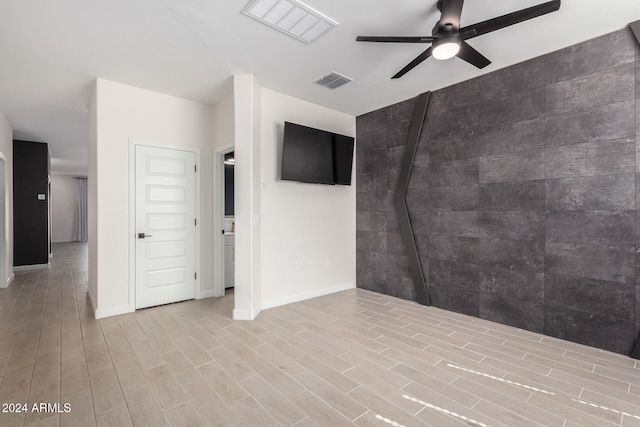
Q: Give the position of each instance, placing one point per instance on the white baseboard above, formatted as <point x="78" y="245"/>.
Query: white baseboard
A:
<point x="246" y="314"/>
<point x="306" y="295"/>
<point x="31" y="267"/>
<point x="101" y="313"/>
<point x="92" y="301"/>
<point x="206" y="294"/>
<point x="8" y="281"/>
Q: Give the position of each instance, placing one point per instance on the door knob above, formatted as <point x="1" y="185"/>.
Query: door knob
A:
<point x="142" y="235"/>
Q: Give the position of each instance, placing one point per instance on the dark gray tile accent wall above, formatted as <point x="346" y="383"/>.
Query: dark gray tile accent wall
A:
<point x="522" y="197"/>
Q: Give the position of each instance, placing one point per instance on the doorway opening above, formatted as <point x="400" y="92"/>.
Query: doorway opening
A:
<point x="4" y="255"/>
<point x="224" y="220"/>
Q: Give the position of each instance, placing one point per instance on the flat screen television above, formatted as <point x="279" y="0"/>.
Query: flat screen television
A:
<point x="316" y="156"/>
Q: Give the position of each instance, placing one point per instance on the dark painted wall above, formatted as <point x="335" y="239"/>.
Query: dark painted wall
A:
<point x="522" y="195"/>
<point x="31" y="216"/>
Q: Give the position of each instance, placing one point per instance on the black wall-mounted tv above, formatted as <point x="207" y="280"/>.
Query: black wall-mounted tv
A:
<point x="316" y="156"/>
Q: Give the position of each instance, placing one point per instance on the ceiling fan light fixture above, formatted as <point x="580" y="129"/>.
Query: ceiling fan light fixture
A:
<point x="446" y="48"/>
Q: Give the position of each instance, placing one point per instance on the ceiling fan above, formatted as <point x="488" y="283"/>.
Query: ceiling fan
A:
<point x="449" y="40"/>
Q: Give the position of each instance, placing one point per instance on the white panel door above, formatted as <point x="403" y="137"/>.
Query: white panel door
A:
<point x="165" y="226"/>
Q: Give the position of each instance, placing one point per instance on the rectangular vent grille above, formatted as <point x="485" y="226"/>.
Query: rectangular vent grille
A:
<point x="334" y="80"/>
<point x="290" y="17"/>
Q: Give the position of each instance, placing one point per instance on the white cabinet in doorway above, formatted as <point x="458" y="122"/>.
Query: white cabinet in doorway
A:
<point x="229" y="259"/>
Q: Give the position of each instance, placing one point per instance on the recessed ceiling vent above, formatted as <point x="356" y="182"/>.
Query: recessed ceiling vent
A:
<point x="334" y="80"/>
<point x="290" y="17"/>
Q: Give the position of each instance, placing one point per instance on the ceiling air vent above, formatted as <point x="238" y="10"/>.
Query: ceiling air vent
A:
<point x="334" y="80"/>
<point x="290" y="17"/>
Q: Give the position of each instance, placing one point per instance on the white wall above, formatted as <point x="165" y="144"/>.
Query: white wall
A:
<point x="6" y="247"/>
<point x="285" y="231"/>
<point x="293" y="241"/>
<point x="247" y="176"/>
<point x="63" y="207"/>
<point x="92" y="200"/>
<point x="308" y="230"/>
<point x="223" y="122"/>
<point x="124" y="113"/>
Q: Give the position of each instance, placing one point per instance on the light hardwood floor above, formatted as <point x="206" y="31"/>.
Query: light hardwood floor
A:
<point x="351" y="358"/>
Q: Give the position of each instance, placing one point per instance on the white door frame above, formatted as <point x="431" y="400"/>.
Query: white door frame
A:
<point x="4" y="258"/>
<point x="218" y="218"/>
<point x="133" y="143"/>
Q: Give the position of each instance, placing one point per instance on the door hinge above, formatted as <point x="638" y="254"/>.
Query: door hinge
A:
<point x="195" y="168"/>
<point x="195" y="221"/>
<point x="195" y="276"/>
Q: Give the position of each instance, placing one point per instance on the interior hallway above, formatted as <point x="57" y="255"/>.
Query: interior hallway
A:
<point x="354" y="357"/>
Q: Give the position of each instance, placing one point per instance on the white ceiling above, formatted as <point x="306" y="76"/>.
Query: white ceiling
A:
<point x="51" y="52"/>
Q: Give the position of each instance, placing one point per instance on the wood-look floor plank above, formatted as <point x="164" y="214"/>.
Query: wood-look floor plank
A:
<point x="278" y="406"/>
<point x="210" y="405"/>
<point x="185" y="415"/>
<point x="196" y="354"/>
<point x="118" y="418"/>
<point x="350" y="358"/>
<point x="321" y="412"/>
<point x="105" y="389"/>
<point x="166" y="388"/>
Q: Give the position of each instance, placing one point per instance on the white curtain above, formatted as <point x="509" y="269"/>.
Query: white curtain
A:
<point x="80" y="219"/>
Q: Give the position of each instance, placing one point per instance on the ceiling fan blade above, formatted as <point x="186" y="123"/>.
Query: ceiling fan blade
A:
<point x="451" y="11"/>
<point x="396" y="39"/>
<point x="411" y="65"/>
<point x="472" y="56"/>
<point x="503" y="21"/>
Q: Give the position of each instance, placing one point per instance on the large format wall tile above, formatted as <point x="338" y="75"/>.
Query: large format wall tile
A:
<point x="456" y="147"/>
<point x="611" y="121"/>
<point x="614" y="228"/>
<point x="589" y="295"/>
<point x="459" y="172"/>
<point x="372" y="241"/>
<point x="456" y="198"/>
<point x="637" y="310"/>
<point x="595" y="329"/>
<point x="417" y="198"/>
<point x="450" y="248"/>
<point x="453" y="274"/>
<point x="523" y="77"/>
<point x="591" y="90"/>
<point x="514" y="284"/>
<point x="522" y="196"/>
<point x="523" y="255"/>
<point x="453" y="298"/>
<point x="521" y="314"/>
<point x="371" y="221"/>
<point x="611" y="263"/>
<point x="400" y="287"/>
<point x="512" y="196"/>
<point x="593" y="158"/>
<point x="526" y="135"/>
<point x="613" y="49"/>
<point x="591" y="193"/>
<point x="520" y="166"/>
<point x="454" y="223"/>
<point x="511" y="109"/>
<point x="518" y="225"/>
